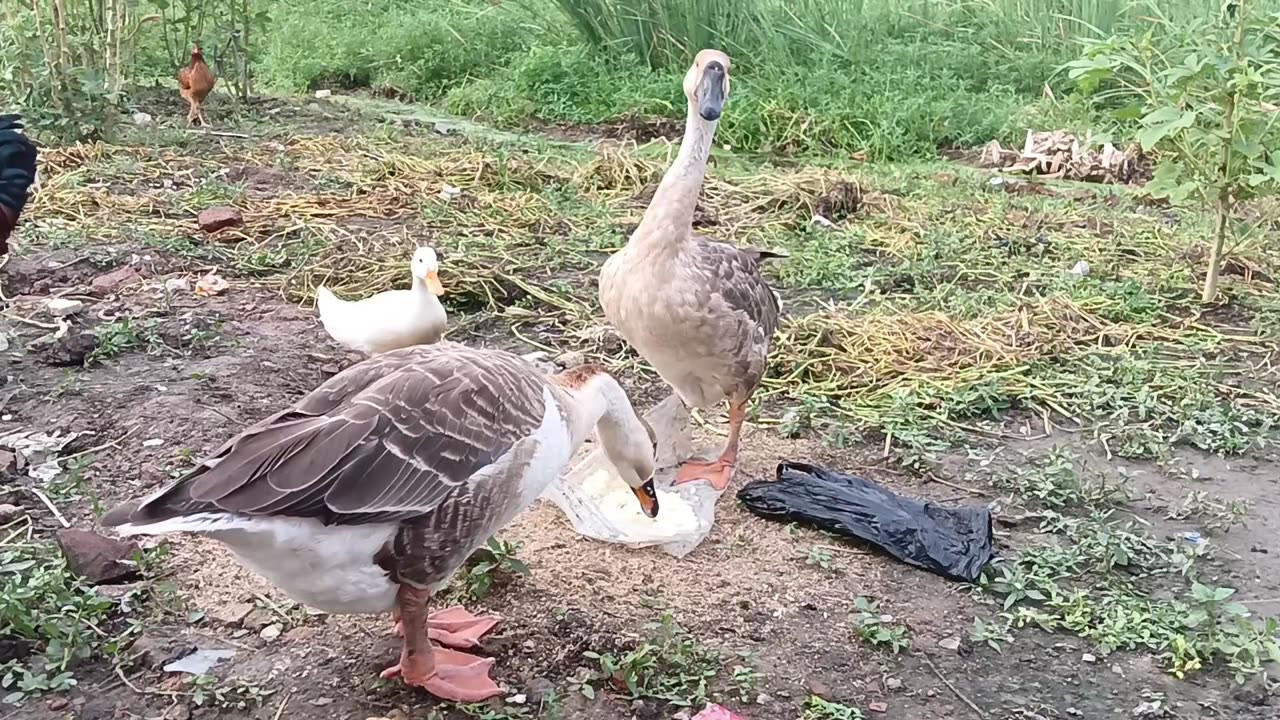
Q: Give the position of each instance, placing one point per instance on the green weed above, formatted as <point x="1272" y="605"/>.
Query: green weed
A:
<point x="815" y="708"/>
<point x="54" y="618"/>
<point x="497" y="559"/>
<point x="877" y="629"/>
<point x="671" y="666"/>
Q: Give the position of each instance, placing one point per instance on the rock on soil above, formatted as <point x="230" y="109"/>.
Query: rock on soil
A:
<point x="96" y="558"/>
<point x="67" y="351"/>
<point x="113" y="281"/>
<point x="217" y="218"/>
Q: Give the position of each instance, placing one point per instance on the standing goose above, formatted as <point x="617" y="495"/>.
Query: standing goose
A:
<point x="369" y="493"/>
<point x="696" y="309"/>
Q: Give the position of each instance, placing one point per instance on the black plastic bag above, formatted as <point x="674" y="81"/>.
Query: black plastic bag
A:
<point x="950" y="541"/>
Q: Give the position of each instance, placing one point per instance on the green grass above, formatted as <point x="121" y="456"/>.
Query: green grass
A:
<point x="1091" y="570"/>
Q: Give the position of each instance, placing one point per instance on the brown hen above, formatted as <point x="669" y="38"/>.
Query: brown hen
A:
<point x="196" y="81"/>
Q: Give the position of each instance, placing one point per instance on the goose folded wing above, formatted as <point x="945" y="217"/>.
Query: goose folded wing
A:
<point x="734" y="273"/>
<point x="387" y="443"/>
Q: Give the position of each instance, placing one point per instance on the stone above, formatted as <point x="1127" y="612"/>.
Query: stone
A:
<point x="62" y="307"/>
<point x="154" y="649"/>
<point x="817" y="687"/>
<point x="302" y="633"/>
<point x="322" y="94"/>
<point x="893" y="683"/>
<point x="142" y="119"/>
<point x="271" y="632"/>
<point x="56" y="704"/>
<point x="258" y="619"/>
<point x="97" y="558"/>
<point x="231" y="613"/>
<point x="9" y="513"/>
<point x="114" y="281"/>
<point x="70" y="350"/>
<point x="949" y="643"/>
<point x="539" y="690"/>
<point x="878" y="707"/>
<point x="219" y="218"/>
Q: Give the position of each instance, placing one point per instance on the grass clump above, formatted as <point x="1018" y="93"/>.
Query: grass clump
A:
<point x="51" y="620"/>
<point x="1093" y="573"/>
<point x="671" y="666"/>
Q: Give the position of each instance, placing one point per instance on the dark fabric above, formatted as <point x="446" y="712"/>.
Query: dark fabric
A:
<point x="954" y="542"/>
<point x="17" y="173"/>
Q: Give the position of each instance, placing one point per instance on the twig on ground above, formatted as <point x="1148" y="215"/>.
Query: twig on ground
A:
<point x="972" y="491"/>
<point x="49" y="504"/>
<point x="99" y="448"/>
<point x="963" y="698"/>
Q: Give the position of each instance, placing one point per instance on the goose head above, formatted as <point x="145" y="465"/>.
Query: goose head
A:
<point x="426" y="269"/>
<point x="628" y="441"/>
<point x="707" y="84"/>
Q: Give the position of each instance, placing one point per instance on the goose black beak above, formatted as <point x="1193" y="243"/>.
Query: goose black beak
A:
<point x="711" y="92"/>
<point x="648" y="498"/>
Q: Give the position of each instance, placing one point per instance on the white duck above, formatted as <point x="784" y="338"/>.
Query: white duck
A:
<point x="392" y="319"/>
<point x="367" y="494"/>
<point x="698" y="310"/>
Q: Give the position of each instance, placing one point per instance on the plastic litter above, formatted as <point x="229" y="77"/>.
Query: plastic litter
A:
<point x="717" y="712"/>
<point x="954" y="542"/>
<point x="199" y="662"/>
<point x="600" y="506"/>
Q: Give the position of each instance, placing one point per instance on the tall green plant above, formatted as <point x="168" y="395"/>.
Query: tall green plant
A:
<point x="664" y="33"/>
<point x="1206" y="94"/>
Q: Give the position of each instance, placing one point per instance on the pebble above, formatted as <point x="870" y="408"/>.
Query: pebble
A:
<point x="10" y="512"/>
<point x="518" y="699"/>
<point x="153" y="442"/>
<point x="893" y="684"/>
<point x="322" y="94"/>
<point x="950" y="643"/>
<point x="1117" y="670"/>
<point x="763" y="699"/>
<point x="62" y="307"/>
<point x="878" y="707"/>
<point x="819" y="688"/>
<point x="271" y="632"/>
<point x="142" y="119"/>
<point x="57" y="704"/>
<point x="1089" y="657"/>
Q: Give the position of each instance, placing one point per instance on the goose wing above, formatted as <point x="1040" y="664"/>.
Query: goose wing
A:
<point x="387" y="440"/>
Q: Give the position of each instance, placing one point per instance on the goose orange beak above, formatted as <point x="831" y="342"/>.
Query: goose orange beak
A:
<point x="648" y="498"/>
<point x="433" y="283"/>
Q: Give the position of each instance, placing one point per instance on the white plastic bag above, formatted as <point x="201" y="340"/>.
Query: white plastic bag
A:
<point x="600" y="506"/>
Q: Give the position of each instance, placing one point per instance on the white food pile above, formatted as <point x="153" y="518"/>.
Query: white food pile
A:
<point x="620" y="507"/>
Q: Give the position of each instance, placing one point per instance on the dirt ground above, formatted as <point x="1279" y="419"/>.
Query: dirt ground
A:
<point x="223" y="362"/>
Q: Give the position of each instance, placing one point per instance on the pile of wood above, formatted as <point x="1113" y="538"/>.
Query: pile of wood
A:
<point x="1060" y="155"/>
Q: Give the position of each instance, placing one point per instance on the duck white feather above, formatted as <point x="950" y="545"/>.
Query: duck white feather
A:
<point x="392" y="319"/>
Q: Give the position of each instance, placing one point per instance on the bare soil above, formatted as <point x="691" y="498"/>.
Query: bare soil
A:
<point x="746" y="589"/>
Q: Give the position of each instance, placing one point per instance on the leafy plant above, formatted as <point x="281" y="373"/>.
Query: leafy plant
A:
<point x="55" y="617"/>
<point x="815" y="708"/>
<point x="1205" y="92"/>
<point x="497" y="557"/>
<point x="671" y="666"/>
<point x="819" y="556"/>
<point x="878" y="629"/>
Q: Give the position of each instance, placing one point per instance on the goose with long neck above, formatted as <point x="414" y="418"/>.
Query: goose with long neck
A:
<point x="370" y="492"/>
<point x="696" y="309"/>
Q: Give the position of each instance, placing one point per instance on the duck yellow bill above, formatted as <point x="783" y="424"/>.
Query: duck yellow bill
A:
<point x="433" y="283"/>
<point x="648" y="498"/>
